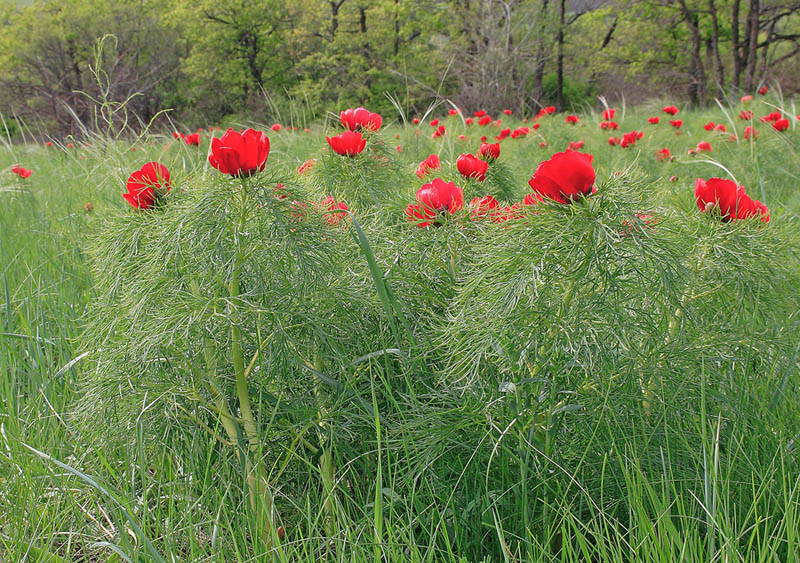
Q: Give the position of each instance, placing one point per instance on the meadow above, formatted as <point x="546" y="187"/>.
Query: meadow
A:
<point x="313" y="360"/>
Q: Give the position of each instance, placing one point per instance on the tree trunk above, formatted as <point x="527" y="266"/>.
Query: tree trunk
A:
<point x="697" y="88"/>
<point x="735" y="46"/>
<point x="719" y="70"/>
<point x="560" y="57"/>
<point x="752" y="25"/>
<point x="541" y="59"/>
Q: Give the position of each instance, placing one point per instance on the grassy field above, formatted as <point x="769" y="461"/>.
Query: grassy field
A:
<point x="611" y="380"/>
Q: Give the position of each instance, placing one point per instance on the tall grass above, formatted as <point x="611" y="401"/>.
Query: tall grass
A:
<point x="573" y="385"/>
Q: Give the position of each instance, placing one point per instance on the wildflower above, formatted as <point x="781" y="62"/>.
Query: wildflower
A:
<point x="572" y="119"/>
<point x="239" y="154"/>
<point x="565" y="177"/>
<point x="709" y="126"/>
<point x="276" y="127"/>
<point x="303" y="168"/>
<point x="439" y="132"/>
<point x="746" y="99"/>
<point x="507" y="111"/>
<point x="746" y="115"/>
<point x="608" y="114"/>
<point x="503" y="134"/>
<point x="663" y="155"/>
<point x="676" y="123"/>
<point x="472" y="167"/>
<point x="703" y="146"/>
<point x="490" y="152"/>
<point x="193" y="139"/>
<point x="430" y="163"/>
<point x="469" y="121"/>
<point x="147" y="185"/>
<point x="653" y="120"/>
<point x="575" y="145"/>
<point x="781" y="124"/>
<point x="21" y="172"/>
<point x="331" y="205"/>
<point x="479" y="113"/>
<point x="349" y="143"/>
<point x="731" y="200"/>
<point x="481" y="207"/>
<point x="361" y="118"/>
<point x="613" y="141"/>
<point x="485" y="120"/>
<point x="750" y="132"/>
<point x="434" y="123"/>
<point x="671" y="110"/>
<point x="763" y="90"/>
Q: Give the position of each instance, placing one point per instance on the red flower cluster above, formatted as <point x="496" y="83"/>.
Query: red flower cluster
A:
<point x="485" y="120"/>
<point x="437" y="197"/>
<point x="575" y="145"/>
<point x="703" y="146"/>
<point x="663" y="155"/>
<point x="781" y="124"/>
<point x="472" y="167"/>
<point x="239" y="154"/>
<point x="653" y="120"/>
<point x="750" y="132"/>
<point x="671" y="110"/>
<point x="629" y="139"/>
<point x="572" y="119"/>
<point x="193" y="139"/>
<point x="746" y="115"/>
<point x="763" y="90"/>
<point x="503" y="134"/>
<point x="490" y="152"/>
<point x="430" y="163"/>
<point x="147" y="185"/>
<point x="20" y="171"/>
<point x="676" y="123"/>
<point x="349" y="143"/>
<point x="609" y="125"/>
<point x="771" y="117"/>
<point x="731" y="200"/>
<point x="609" y="113"/>
<point x="549" y="110"/>
<point x="565" y="177"/>
<point x="439" y="132"/>
<point x="303" y="168"/>
<point x="360" y="118"/>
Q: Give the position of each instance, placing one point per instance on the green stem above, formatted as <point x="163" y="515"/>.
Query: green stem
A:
<point x="256" y="478"/>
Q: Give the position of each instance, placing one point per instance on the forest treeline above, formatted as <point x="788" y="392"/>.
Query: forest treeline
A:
<point x="208" y="61"/>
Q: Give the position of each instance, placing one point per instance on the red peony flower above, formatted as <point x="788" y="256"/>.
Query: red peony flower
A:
<point x="663" y="155"/>
<point x="653" y="120"/>
<point x="609" y="113"/>
<point x="434" y="123"/>
<point x="572" y="119"/>
<point x="462" y="138"/>
<point x="490" y="152"/>
<point x="49" y="143"/>
<point x="721" y="128"/>
<point x="575" y="145"/>
<point x="439" y="132"/>
<point x="430" y="163"/>
<point x="746" y="115"/>
<point x="21" y="172"/>
<point x="330" y="204"/>
<point x="613" y="141"/>
<point x="763" y="90"/>
<point x="503" y="134"/>
<point x="147" y="185"/>
<point x="420" y="215"/>
<point x="750" y="132"/>
<point x="781" y="124"/>
<point x="485" y="120"/>
<point x="731" y="200"/>
<point x="472" y="167"/>
<point x="193" y="139"/>
<point x="703" y="146"/>
<point x="453" y="111"/>
<point x="303" y="168"/>
<point x="349" y="143"/>
<point x="709" y="126"/>
<point x="532" y="199"/>
<point x="746" y="99"/>
<point x="521" y="131"/>
<point x="469" y="121"/>
<point x="676" y="123"/>
<point x="239" y="154"/>
<point x="361" y="118"/>
<point x="441" y="196"/>
<point x="542" y="144"/>
<point x="671" y="110"/>
<point x="415" y="121"/>
<point x="276" y="127"/>
<point x="480" y="207"/>
<point x="479" y="113"/>
<point x="507" y="111"/>
<point x="565" y="177"/>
